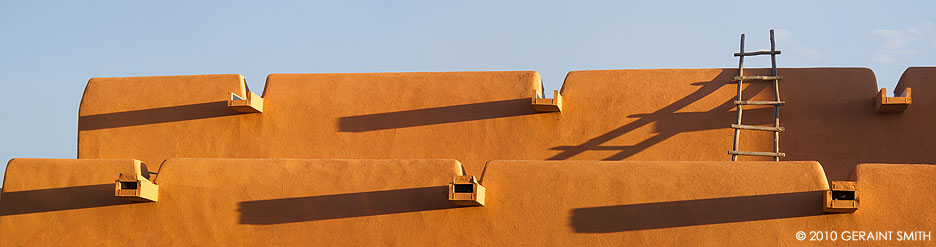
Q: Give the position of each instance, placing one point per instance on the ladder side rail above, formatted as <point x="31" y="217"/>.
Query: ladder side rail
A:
<point x="773" y="65"/>
<point x="737" y="132"/>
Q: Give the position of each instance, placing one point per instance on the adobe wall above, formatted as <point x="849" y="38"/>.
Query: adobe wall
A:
<point x="200" y="199"/>
<point x="475" y="117"/>
<point x="345" y="202"/>
<point x="158" y="117"/>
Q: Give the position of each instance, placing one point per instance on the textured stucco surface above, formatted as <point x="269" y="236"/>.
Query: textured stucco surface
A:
<point x="475" y="117"/>
<point x="403" y="202"/>
<point x="636" y="157"/>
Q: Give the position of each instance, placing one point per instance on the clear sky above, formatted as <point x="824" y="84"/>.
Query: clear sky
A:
<point x="49" y="49"/>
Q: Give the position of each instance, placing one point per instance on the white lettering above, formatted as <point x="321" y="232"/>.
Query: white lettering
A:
<point x="901" y="235"/>
<point x="865" y="236"/>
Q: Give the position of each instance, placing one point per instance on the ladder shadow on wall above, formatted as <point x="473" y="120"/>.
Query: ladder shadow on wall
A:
<point x="668" y="122"/>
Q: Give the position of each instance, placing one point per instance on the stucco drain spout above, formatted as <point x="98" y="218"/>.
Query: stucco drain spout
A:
<point x="136" y="186"/>
<point x="466" y="191"/>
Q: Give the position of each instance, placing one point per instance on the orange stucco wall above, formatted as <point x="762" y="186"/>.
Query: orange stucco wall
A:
<point x="475" y="117"/>
<point x="403" y="202"/>
<point x="636" y="157"/>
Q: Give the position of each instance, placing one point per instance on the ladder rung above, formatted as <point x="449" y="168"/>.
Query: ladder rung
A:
<point x="752" y="127"/>
<point x="757" y="77"/>
<point x="755" y="53"/>
<point x="738" y="102"/>
<point x="771" y="154"/>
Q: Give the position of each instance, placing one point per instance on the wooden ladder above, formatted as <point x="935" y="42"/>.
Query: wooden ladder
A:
<point x="776" y="129"/>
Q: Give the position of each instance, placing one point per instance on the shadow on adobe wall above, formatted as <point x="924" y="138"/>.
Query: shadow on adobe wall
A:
<point x="670" y="123"/>
<point x="326" y="207"/>
<point x="696" y="212"/>
<point x="47" y="200"/>
<point x="155" y="115"/>
<point x="436" y="115"/>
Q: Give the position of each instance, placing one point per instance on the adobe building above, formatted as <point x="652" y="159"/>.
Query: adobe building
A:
<point x="616" y="157"/>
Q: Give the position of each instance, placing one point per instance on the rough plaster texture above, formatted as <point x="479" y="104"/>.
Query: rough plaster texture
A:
<point x="475" y="117"/>
<point x="670" y="128"/>
<point x="185" y="116"/>
<point x="228" y="202"/>
<point x="225" y="202"/>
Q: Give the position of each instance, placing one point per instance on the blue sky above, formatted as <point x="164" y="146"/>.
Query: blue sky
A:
<point x="48" y="50"/>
